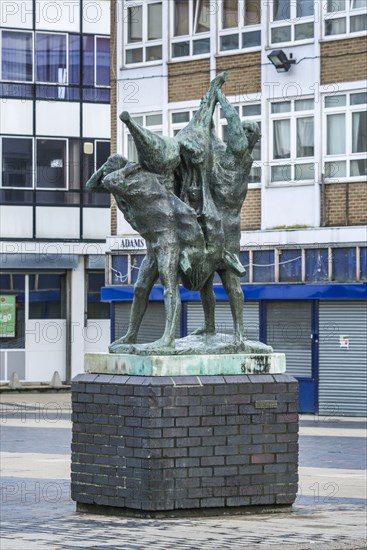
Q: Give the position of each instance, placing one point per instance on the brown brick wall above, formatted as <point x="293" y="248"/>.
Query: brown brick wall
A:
<point x="343" y="60"/>
<point x="251" y="210"/>
<point x="244" y="74"/>
<point x="188" y="80"/>
<point x="113" y="77"/>
<point x="346" y="204"/>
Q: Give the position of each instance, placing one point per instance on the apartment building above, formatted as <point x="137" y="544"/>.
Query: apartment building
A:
<point x="54" y="131"/>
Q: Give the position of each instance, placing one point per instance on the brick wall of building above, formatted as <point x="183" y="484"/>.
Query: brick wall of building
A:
<point x="170" y="443"/>
<point x="188" y="80"/>
<point x="244" y="74"/>
<point x="251" y="210"/>
<point x="343" y="60"/>
<point x="345" y="204"/>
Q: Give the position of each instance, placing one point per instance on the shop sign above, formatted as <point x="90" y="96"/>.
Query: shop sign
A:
<point x="7" y="316"/>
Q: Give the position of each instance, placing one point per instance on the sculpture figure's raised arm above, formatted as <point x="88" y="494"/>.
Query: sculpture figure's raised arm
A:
<point x="237" y="140"/>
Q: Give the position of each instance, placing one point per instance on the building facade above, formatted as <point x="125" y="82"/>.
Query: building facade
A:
<point x="54" y="131"/>
<point x="304" y="221"/>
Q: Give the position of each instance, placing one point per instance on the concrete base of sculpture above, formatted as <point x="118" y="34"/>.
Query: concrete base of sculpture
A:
<point x="153" y="445"/>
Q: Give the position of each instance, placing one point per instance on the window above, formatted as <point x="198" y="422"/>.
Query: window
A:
<point x="16" y="55"/>
<point x="292" y="140"/>
<point x="143" y="32"/>
<point x="51" y="162"/>
<point x="47" y="296"/>
<point x="292" y="20"/>
<point x="316" y="265"/>
<point x="180" y="119"/>
<point x="51" y="58"/>
<point x="290" y="266"/>
<point x="95" y="308"/>
<point x="247" y="112"/>
<point x="240" y="25"/>
<point x="345" y="16"/>
<point x="96" y="60"/>
<point x="152" y="121"/>
<point x="135" y="263"/>
<point x="346" y="136"/>
<point x="191" y="28"/>
<point x="344" y="264"/>
<point x="263" y="266"/>
<point x="17" y="162"/>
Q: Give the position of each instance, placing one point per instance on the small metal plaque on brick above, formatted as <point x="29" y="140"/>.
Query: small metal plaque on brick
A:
<point x="266" y="404"/>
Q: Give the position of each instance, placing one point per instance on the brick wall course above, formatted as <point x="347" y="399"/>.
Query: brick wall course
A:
<point x="251" y="211"/>
<point x="342" y="60"/>
<point x="345" y="204"/>
<point x="188" y="80"/>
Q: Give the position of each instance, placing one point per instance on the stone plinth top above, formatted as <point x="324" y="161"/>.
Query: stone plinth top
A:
<point x="184" y="365"/>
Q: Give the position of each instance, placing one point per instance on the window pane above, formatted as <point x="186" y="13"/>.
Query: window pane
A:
<point x="335" y="134"/>
<point x="335" y="26"/>
<point x="181" y="49"/>
<point x="17" y="56"/>
<point x="88" y="60"/>
<point x="283" y="107"/>
<point x="51" y="57"/>
<point x="255" y="173"/>
<point x="290" y="266"/>
<point x="136" y="261"/>
<point x="358" y="99"/>
<point x="281" y="138"/>
<point x="280" y="34"/>
<point x="251" y="110"/>
<point x="256" y="152"/>
<point x="305" y="8"/>
<point x="47" y="296"/>
<point x="153" y="120"/>
<point x="95" y="308"/>
<point x="363" y="264"/>
<point x="17" y="162"/>
<point x="51" y="163"/>
<point x="336" y="169"/>
<point x="74" y="59"/>
<point x="103" y="151"/>
<point x="344" y="264"/>
<point x="335" y="5"/>
<point x="229" y="42"/>
<point x="305" y="137"/>
<point x="281" y="10"/>
<point x="178" y="118"/>
<point x="134" y="56"/>
<point x="251" y="39"/>
<point x="230" y="14"/>
<point x="357" y="4"/>
<point x="132" y="153"/>
<point x="304" y="104"/>
<point x="201" y="46"/>
<point x="335" y="101"/>
<point x="263" y="266"/>
<point x="74" y="164"/>
<point x="154" y="53"/>
<point x="358" y="23"/>
<point x="359" y="132"/>
<point x="358" y="167"/>
<point x="154" y="21"/>
<point x="304" y="31"/>
<point x="135" y="24"/>
<point x="202" y="16"/>
<point x="304" y="172"/>
<point x="119" y="270"/>
<point x="181" y="17"/>
<point x="103" y="62"/>
<point x="317" y="266"/>
<point x="252" y="12"/>
<point x="281" y="173"/>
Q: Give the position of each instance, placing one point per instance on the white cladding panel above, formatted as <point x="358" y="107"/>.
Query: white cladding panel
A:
<point x="343" y="371"/>
<point x="16" y="222"/>
<point x="96" y="223"/>
<point x="16" y="13"/>
<point x="289" y="206"/>
<point x="58" y="15"/>
<point x="96" y="121"/>
<point x="57" y="119"/>
<point x="137" y="96"/>
<point x="97" y="335"/>
<point x="96" y="16"/>
<point x="56" y="222"/>
<point x="45" y="349"/>
<point x="123" y="227"/>
<point x="16" y="117"/>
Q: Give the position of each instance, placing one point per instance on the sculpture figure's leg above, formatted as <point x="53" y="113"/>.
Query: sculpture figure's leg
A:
<point x="148" y="274"/>
<point x="232" y="286"/>
<point x="208" y="301"/>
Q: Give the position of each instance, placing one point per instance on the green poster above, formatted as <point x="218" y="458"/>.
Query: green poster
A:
<point x="7" y="316"/>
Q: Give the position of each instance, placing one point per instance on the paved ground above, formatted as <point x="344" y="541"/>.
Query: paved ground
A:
<point x="37" y="512"/>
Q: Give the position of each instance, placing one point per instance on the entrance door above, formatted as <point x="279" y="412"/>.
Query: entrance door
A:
<point x="289" y="331"/>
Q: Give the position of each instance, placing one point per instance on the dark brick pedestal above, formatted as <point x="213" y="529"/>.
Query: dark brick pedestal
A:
<point x="155" y="444"/>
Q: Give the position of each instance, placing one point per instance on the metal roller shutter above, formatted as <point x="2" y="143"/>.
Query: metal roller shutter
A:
<point x="152" y="327"/>
<point x="343" y="371"/>
<point x="289" y="331"/>
<point x="223" y="318"/>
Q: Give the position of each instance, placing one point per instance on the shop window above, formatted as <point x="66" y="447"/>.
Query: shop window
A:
<point x="345" y="17"/>
<point x="240" y="25"/>
<point x="95" y="308"/>
<point x="344" y="264"/>
<point x="135" y="263"/>
<point x="143" y="32"/>
<point x="51" y="58"/>
<point x="292" y="20"/>
<point x="17" y="56"/>
<point x="245" y="261"/>
<point x="263" y="266"/>
<point x="290" y="266"/>
<point x="191" y="28"/>
<point x="317" y="265"/>
<point x="119" y="270"/>
<point x="346" y="136"/>
<point x="17" y="162"/>
<point x="363" y="264"/>
<point x="51" y="164"/>
<point x="47" y="296"/>
<point x="292" y="141"/>
<point x="12" y="288"/>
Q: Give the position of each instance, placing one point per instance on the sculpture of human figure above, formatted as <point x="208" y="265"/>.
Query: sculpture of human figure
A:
<point x="228" y="184"/>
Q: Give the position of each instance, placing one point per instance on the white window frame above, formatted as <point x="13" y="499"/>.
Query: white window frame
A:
<point x="239" y="29"/>
<point x="348" y="156"/>
<point x="23" y="31"/>
<point x="349" y="12"/>
<point x="144" y="43"/>
<point x="293" y="160"/>
<point x="156" y="128"/>
<point x="292" y="22"/>
<point x="177" y="126"/>
<point x="191" y="37"/>
<point x="5" y="187"/>
<point x="66" y="167"/>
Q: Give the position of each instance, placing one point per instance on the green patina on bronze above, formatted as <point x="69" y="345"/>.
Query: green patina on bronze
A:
<point x="185" y="197"/>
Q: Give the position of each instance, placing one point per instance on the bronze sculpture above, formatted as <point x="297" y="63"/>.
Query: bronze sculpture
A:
<point x="185" y="197"/>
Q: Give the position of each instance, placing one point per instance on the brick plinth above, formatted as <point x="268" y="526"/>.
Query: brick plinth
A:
<point x="153" y="444"/>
